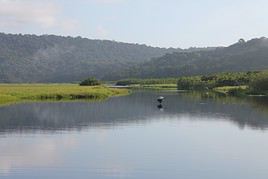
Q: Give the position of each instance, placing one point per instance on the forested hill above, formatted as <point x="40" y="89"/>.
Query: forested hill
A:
<point x="242" y="56"/>
<point x="50" y="58"/>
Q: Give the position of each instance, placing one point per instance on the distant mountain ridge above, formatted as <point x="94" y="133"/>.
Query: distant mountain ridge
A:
<point x="242" y="56"/>
<point x="50" y="58"/>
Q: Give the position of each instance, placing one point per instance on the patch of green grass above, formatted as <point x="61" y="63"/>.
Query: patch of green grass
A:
<point x="6" y="99"/>
<point x="10" y="93"/>
<point x="230" y="89"/>
<point x="239" y="91"/>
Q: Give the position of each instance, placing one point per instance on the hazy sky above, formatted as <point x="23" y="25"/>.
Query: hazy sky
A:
<point x="165" y="23"/>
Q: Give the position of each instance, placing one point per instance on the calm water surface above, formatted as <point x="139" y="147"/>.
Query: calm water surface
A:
<point x="192" y="136"/>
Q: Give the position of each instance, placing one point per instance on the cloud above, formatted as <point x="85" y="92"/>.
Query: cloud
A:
<point x="107" y="1"/>
<point x="25" y="13"/>
<point x="39" y="152"/>
<point x="17" y="12"/>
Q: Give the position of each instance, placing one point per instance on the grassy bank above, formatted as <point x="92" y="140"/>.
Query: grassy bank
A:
<point x="233" y="90"/>
<point x="10" y="93"/>
<point x="240" y="91"/>
<point x="152" y="84"/>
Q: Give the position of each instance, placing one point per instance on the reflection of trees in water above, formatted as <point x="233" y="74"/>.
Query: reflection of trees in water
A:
<point x="248" y="111"/>
<point x="261" y="103"/>
<point x="136" y="108"/>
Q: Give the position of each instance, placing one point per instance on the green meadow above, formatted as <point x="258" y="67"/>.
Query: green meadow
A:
<point x="12" y="93"/>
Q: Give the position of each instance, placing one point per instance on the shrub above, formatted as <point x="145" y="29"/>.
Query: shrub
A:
<point x="209" y="78"/>
<point x="126" y="82"/>
<point x="227" y="82"/>
<point x="90" y="82"/>
<point x="260" y="84"/>
<point x="218" y="80"/>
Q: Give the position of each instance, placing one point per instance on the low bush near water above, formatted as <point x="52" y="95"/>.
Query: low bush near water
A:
<point x="216" y="80"/>
<point x="260" y="84"/>
<point x="90" y="82"/>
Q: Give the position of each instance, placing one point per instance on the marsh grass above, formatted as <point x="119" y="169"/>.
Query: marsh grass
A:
<point x="239" y="91"/>
<point x="10" y="93"/>
<point x="230" y="89"/>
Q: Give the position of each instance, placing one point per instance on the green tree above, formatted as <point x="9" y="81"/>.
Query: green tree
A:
<point x="90" y="82"/>
<point x="260" y="84"/>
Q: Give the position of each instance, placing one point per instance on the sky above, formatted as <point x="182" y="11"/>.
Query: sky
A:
<point x="161" y="23"/>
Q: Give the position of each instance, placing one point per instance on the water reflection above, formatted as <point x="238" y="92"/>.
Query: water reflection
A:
<point x="34" y="152"/>
<point x="134" y="137"/>
<point x="160" y="107"/>
<point x="136" y="108"/>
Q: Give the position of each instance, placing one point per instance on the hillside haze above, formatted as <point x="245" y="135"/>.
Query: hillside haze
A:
<point x="241" y="56"/>
<point x="50" y="58"/>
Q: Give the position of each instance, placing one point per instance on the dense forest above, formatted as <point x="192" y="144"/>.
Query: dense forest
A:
<point x="242" y="56"/>
<point x="50" y="58"/>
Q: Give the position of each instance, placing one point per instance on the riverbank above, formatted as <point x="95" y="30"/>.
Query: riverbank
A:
<point x="231" y="83"/>
<point x="232" y="90"/>
<point x="154" y="87"/>
<point x="150" y="84"/>
<point x="239" y="91"/>
<point x="13" y="93"/>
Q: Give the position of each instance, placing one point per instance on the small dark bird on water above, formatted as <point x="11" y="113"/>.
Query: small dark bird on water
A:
<point x="160" y="99"/>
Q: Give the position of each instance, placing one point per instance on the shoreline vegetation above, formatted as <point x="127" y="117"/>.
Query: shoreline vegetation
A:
<point x="150" y="84"/>
<point x="233" y="84"/>
<point x="229" y="84"/>
<point x="15" y="93"/>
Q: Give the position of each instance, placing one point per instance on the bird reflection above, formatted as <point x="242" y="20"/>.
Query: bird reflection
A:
<point x="160" y="107"/>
